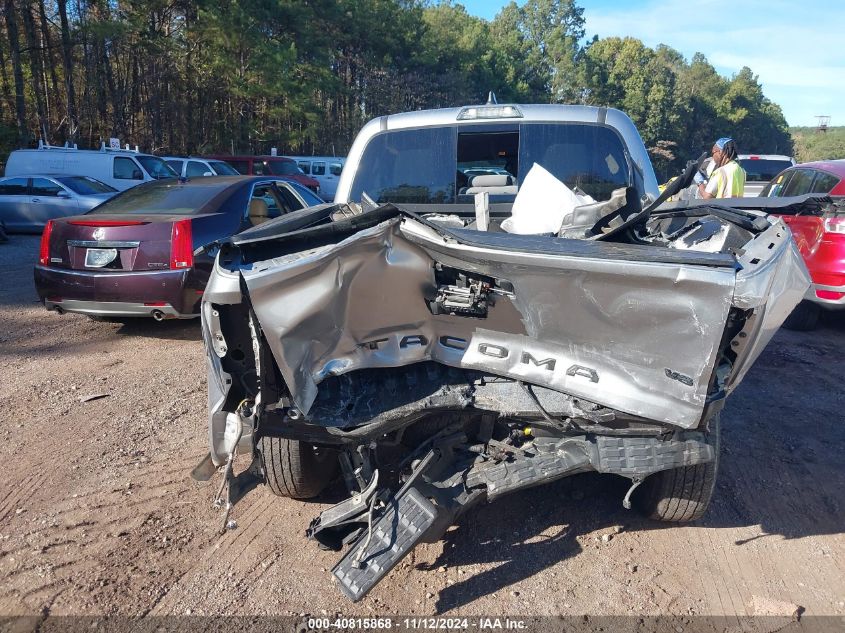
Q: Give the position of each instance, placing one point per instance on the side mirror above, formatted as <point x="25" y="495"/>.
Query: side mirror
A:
<point x="137" y="174"/>
<point x="63" y="194"/>
<point x="208" y="173"/>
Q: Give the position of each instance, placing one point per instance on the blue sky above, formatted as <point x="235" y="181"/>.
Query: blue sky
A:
<point x="795" y="48"/>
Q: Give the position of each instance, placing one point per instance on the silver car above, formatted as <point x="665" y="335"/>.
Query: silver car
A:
<point x="27" y="202"/>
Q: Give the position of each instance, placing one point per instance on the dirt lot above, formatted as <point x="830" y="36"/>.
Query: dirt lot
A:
<point x="98" y="514"/>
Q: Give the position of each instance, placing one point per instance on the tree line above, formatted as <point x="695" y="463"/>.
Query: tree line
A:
<point x="203" y="76"/>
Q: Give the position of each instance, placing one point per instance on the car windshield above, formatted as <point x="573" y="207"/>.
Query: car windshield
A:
<point x="173" y="198"/>
<point x="451" y="164"/>
<point x="761" y="169"/>
<point x="85" y="185"/>
<point x="283" y="168"/>
<point x="223" y="169"/>
<point x="156" y="167"/>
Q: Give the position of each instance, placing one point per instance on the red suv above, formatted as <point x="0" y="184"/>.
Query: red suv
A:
<point x="821" y="239"/>
<point x="270" y="166"/>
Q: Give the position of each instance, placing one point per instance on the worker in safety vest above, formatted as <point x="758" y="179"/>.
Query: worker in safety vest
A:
<point x="728" y="177"/>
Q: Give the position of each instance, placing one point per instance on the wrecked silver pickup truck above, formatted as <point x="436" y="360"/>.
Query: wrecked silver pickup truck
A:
<point x="495" y="300"/>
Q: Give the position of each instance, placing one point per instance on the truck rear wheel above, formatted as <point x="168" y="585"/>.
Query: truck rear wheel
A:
<point x="295" y="469"/>
<point x="803" y="318"/>
<point x="681" y="494"/>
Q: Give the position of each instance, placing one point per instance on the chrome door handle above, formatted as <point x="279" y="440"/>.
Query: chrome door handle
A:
<point x="36" y="200"/>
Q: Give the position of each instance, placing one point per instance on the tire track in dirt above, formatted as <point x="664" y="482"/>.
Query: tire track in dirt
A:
<point x="18" y="492"/>
<point x="224" y="554"/>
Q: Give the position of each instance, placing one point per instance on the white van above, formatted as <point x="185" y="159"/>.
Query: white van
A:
<point x="324" y="169"/>
<point x="121" y="169"/>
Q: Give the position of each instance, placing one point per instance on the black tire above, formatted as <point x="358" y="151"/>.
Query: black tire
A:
<point x="295" y="469"/>
<point x="681" y="494"/>
<point x="804" y="317"/>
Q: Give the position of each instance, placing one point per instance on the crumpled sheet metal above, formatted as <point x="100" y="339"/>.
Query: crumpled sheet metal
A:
<point x="773" y="288"/>
<point x="640" y="337"/>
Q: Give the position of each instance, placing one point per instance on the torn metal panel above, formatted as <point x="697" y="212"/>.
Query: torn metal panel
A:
<point x="641" y="337"/>
<point x="772" y="286"/>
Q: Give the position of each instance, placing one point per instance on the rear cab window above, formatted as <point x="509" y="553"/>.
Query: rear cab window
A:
<point x="437" y="165"/>
<point x="762" y="169"/>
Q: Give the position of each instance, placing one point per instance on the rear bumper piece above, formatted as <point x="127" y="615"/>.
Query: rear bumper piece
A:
<point x="119" y="293"/>
<point x="114" y="308"/>
<point x="830" y="304"/>
<point x="441" y="488"/>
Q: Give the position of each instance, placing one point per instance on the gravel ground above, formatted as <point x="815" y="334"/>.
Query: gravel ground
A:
<point x="98" y="514"/>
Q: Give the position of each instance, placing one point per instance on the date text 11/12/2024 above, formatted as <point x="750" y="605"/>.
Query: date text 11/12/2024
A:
<point x="412" y="624"/>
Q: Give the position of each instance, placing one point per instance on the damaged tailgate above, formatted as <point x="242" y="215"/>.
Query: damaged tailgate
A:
<point x="637" y="328"/>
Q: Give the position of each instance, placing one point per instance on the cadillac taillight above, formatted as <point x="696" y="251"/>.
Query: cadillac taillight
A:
<point x="181" y="245"/>
<point x="44" y="253"/>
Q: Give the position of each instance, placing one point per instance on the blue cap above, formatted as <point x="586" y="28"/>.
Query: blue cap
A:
<point x="723" y="141"/>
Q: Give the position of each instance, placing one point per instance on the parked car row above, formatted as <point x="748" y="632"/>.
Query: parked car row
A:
<point x="53" y="182"/>
<point x="270" y="166"/>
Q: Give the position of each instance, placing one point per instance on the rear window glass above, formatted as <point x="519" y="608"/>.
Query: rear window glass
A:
<point x="162" y="198"/>
<point x="85" y="185"/>
<point x="762" y="170"/>
<point x="587" y="157"/>
<point x="409" y="166"/>
<point x="440" y="165"/>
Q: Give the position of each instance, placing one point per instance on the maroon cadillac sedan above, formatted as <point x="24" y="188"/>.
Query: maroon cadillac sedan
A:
<point x="141" y="253"/>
